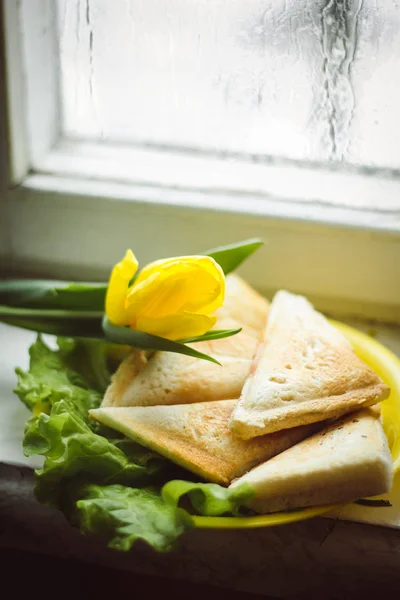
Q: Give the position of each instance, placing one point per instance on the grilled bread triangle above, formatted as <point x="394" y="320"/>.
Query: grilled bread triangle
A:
<point x="305" y="371"/>
<point x="167" y="378"/>
<point x="197" y="437"/>
<point x="346" y="461"/>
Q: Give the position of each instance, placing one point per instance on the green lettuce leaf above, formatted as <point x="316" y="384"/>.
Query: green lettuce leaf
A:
<point x="94" y="360"/>
<point x="50" y="379"/>
<point x="103" y="482"/>
<point x="72" y="449"/>
<point x="208" y="499"/>
<point x="123" y="515"/>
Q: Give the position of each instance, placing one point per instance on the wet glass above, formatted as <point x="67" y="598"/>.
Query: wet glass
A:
<point x="298" y="79"/>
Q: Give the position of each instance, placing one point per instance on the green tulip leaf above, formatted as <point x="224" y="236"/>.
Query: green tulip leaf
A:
<point x="231" y="257"/>
<point x="70" y="323"/>
<point x="47" y="294"/>
<point x="213" y="334"/>
<point x="146" y="341"/>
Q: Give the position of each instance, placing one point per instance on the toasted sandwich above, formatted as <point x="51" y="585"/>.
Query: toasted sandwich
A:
<point x="197" y="437"/>
<point x="166" y="378"/>
<point x="304" y="371"/>
<point x="345" y="461"/>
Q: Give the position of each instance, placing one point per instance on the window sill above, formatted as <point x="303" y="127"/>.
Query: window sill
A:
<point x="345" y="261"/>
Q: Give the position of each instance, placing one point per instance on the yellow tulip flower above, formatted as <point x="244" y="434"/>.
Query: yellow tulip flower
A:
<point x="173" y="298"/>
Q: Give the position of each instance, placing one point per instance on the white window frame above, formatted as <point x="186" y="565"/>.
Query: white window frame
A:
<point x="71" y="208"/>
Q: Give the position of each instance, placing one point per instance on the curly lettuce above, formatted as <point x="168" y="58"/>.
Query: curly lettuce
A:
<point x="124" y="515"/>
<point x="103" y="482"/>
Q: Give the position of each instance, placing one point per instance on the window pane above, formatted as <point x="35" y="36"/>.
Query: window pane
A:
<point x="302" y="79"/>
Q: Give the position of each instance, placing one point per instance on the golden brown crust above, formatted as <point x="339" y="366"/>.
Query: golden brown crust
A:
<point x="313" y="411"/>
<point x="176" y="379"/>
<point x="128" y="369"/>
<point x="306" y="371"/>
<point x="197" y="437"/>
<point x="343" y="462"/>
<point x="244" y="305"/>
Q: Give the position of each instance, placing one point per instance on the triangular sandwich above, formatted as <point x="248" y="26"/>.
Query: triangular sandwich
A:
<point x="197" y="437"/>
<point x="305" y="371"/>
<point x="346" y="461"/>
<point x="168" y="378"/>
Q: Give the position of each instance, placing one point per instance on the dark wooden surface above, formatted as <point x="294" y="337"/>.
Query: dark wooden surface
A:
<point x="311" y="560"/>
<point x="49" y="577"/>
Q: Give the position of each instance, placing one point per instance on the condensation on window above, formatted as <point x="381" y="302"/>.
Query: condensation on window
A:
<point x="300" y="79"/>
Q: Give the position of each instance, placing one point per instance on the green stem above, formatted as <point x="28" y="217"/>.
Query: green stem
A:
<point x="146" y="341"/>
<point x="45" y="313"/>
<point x="71" y="328"/>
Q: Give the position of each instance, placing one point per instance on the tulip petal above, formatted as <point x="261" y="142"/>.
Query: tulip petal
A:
<point x="177" y="327"/>
<point x="118" y="287"/>
<point x="186" y="284"/>
<point x="159" y="295"/>
<point x="207" y="290"/>
<point x="158" y="265"/>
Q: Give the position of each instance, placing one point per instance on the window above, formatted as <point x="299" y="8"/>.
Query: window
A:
<point x="300" y="80"/>
<point x="174" y="125"/>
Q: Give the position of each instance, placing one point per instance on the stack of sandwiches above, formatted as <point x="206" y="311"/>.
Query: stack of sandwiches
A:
<point x="292" y="410"/>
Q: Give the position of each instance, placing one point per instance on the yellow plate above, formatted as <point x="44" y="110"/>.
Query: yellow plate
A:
<point x="387" y="365"/>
